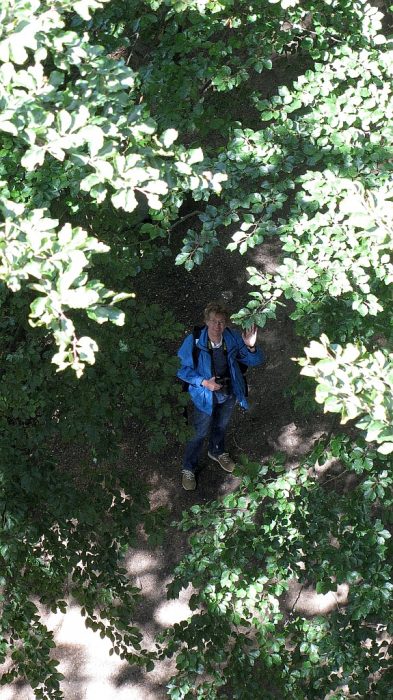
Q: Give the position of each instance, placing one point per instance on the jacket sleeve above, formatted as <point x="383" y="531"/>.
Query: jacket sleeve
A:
<point x="187" y="371"/>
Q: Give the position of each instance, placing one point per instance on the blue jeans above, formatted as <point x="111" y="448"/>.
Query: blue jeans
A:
<point x="213" y="426"/>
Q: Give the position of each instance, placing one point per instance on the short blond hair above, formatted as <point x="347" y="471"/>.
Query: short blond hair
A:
<point x="216" y="307"/>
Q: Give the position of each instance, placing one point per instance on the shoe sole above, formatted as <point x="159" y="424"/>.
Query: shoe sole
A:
<point x="228" y="471"/>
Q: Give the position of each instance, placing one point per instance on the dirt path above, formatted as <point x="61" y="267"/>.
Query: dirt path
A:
<point x="91" y="674"/>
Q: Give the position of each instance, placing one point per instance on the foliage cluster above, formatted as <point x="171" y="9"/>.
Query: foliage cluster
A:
<point x="120" y="112"/>
<point x="246" y="552"/>
<point x="80" y="137"/>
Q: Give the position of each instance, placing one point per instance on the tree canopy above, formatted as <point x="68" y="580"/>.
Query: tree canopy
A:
<point x="276" y="117"/>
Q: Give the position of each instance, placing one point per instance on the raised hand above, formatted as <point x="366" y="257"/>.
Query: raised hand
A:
<point x="250" y="336"/>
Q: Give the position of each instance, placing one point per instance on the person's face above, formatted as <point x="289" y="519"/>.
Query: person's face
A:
<point x="215" y="325"/>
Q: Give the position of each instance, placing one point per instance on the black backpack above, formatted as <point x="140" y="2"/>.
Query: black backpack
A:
<point x="196" y="332"/>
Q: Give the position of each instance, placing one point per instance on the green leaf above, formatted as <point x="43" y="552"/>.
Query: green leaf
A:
<point x="316" y="350"/>
<point x="168" y="137"/>
<point x="194" y="155"/>
<point x="94" y="137"/>
<point x="34" y="156"/>
<point x="386" y="448"/>
<point x="125" y="199"/>
<point x="102" y="314"/>
<point x="8" y="127"/>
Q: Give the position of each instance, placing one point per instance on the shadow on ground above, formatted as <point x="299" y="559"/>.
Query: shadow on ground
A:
<point x="271" y="424"/>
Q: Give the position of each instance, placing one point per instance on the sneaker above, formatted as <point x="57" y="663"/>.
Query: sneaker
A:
<point x="188" y="480"/>
<point x="224" y="461"/>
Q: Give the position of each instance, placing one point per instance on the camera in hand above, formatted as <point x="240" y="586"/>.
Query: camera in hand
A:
<point x="225" y="383"/>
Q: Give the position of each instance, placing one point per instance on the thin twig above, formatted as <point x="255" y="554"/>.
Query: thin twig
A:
<point x="298" y="596"/>
<point x="184" y="218"/>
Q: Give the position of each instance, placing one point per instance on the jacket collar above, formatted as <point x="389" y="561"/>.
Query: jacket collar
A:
<point x="203" y="340"/>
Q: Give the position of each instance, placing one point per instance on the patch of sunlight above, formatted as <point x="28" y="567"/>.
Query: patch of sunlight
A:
<point x="172" y="611"/>
<point x="293" y="439"/>
<point x="306" y="601"/>
<point x="160" y="495"/>
<point x="141" y="562"/>
<point x="85" y="661"/>
<point x="90" y="673"/>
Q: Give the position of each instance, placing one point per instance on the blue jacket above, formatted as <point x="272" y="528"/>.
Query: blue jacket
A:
<point x="236" y="350"/>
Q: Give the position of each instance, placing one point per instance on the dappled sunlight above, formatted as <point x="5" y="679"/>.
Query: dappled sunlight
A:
<point x="141" y="562"/>
<point x="148" y="584"/>
<point x="145" y="569"/>
<point x="304" y="600"/>
<point x="90" y="672"/>
<point x="171" y="612"/>
<point x="294" y="440"/>
<point x="183" y="152"/>
<point x="161" y="496"/>
<point x="331" y="474"/>
<point x="70" y="626"/>
<point x="84" y="660"/>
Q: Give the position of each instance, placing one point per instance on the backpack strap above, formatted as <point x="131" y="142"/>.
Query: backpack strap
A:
<point x="196" y="332"/>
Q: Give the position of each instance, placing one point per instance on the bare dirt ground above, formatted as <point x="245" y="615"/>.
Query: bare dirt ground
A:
<point x="270" y="424"/>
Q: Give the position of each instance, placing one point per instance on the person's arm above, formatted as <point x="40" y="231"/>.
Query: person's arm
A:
<point x="187" y="372"/>
<point x="248" y="352"/>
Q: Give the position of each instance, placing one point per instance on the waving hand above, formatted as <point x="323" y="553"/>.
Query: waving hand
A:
<point x="250" y="336"/>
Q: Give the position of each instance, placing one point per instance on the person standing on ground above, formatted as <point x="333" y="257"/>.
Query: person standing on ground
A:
<point x="215" y="383"/>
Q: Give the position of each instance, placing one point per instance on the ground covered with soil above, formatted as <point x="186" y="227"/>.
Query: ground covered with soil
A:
<point x="271" y="424"/>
